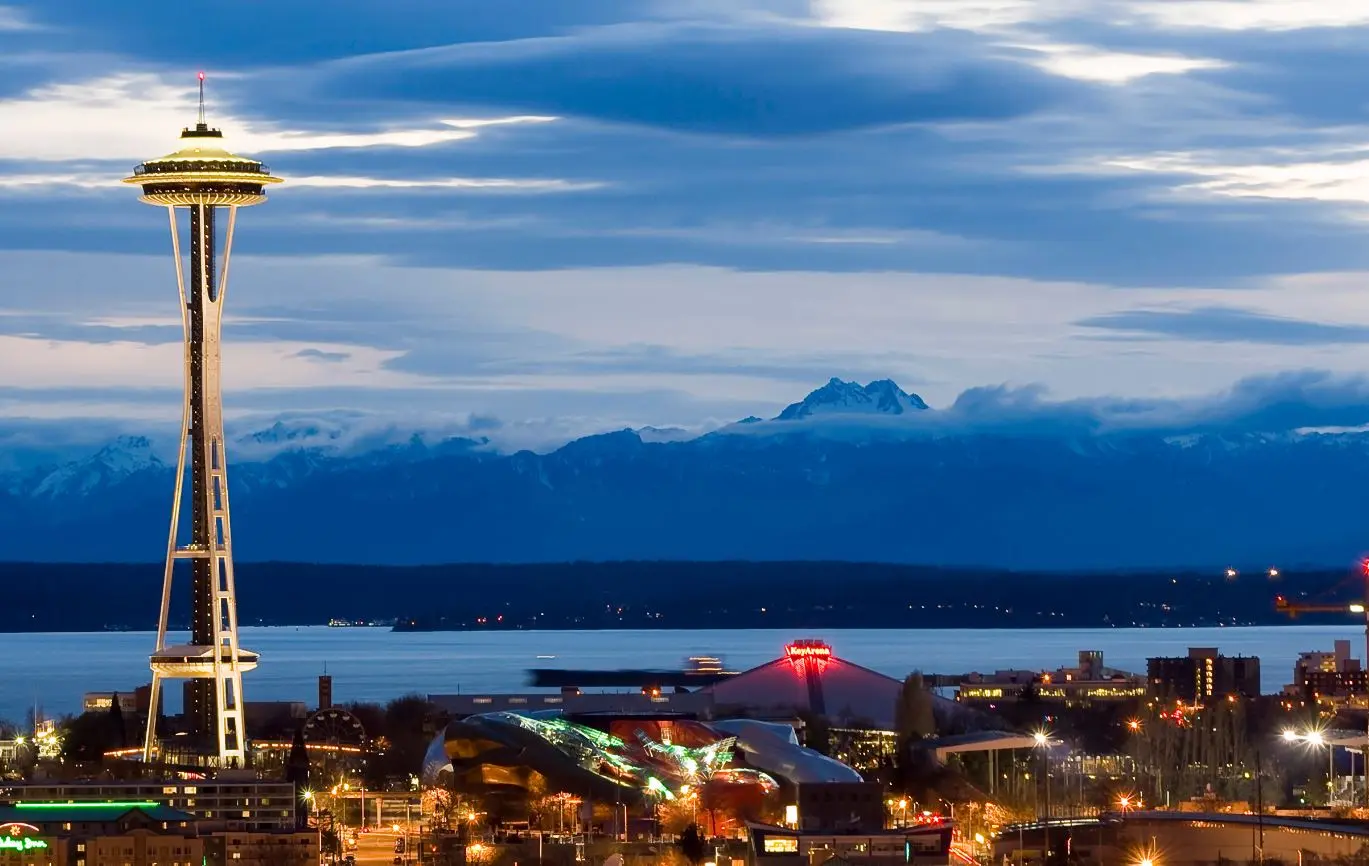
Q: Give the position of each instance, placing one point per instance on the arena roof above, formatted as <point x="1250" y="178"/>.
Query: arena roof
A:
<point x="810" y="677"/>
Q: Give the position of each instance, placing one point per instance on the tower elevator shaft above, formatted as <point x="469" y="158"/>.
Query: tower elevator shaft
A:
<point x="200" y="704"/>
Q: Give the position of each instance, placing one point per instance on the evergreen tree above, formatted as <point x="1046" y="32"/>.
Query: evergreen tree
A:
<point x="118" y="730"/>
<point x="913" y="715"/>
<point x="913" y="721"/>
<point x="297" y="771"/>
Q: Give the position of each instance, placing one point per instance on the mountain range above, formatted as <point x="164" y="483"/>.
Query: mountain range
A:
<point x="850" y="473"/>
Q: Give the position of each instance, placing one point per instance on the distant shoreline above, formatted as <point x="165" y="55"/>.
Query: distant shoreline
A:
<point x="681" y="596"/>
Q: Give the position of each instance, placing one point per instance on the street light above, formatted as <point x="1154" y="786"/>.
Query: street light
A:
<point x="1043" y="742"/>
<point x="1318" y="739"/>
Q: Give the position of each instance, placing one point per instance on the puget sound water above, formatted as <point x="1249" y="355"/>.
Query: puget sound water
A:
<point x="375" y="664"/>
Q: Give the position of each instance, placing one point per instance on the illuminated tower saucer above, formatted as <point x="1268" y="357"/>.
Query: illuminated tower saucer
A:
<point x="203" y="178"/>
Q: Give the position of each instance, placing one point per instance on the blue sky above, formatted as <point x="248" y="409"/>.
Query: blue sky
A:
<point x="579" y="215"/>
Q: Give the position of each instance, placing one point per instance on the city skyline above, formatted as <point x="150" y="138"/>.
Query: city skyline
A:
<point x="595" y="215"/>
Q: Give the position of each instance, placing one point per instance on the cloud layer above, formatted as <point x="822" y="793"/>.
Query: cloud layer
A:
<point x="627" y="212"/>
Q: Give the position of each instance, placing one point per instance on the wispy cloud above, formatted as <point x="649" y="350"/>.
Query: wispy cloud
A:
<point x="1331" y="180"/>
<point x="1239" y="15"/>
<point x="1112" y="67"/>
<point x="454" y="183"/>
<point x="132" y="116"/>
<point x="14" y="20"/>
<point x="999" y="15"/>
<point x="1229" y="325"/>
<point x="96" y="181"/>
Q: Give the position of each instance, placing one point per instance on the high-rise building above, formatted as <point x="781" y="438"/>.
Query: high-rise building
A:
<point x="205" y="179"/>
<point x="1202" y="675"/>
<point x="1332" y="678"/>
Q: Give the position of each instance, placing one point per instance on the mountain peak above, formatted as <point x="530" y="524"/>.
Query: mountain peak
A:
<point x="839" y="397"/>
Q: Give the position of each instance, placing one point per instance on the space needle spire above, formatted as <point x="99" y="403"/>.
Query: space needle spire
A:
<point x="203" y="179"/>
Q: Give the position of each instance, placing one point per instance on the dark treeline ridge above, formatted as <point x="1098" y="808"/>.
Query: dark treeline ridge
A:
<point x="790" y="595"/>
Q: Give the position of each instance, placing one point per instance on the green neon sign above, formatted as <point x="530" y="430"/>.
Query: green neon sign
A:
<point x="21" y="843"/>
<point x="128" y="804"/>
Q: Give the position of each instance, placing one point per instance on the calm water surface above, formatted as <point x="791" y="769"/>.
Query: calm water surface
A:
<point x="376" y="664"/>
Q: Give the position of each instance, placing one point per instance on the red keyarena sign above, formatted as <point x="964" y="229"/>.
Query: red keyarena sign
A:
<point x="818" y="651"/>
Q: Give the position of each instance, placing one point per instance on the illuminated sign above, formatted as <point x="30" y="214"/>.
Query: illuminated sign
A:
<point x="780" y="845"/>
<point x="802" y="653"/>
<point x="20" y="837"/>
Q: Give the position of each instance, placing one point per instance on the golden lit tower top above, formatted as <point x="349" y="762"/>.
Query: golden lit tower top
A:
<point x="202" y="172"/>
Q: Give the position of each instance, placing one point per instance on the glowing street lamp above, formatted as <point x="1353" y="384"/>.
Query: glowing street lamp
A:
<point x="1042" y="741"/>
<point x="1317" y="739"/>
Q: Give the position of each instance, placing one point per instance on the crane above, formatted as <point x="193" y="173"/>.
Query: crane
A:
<point x="1283" y="605"/>
<point x="1292" y="609"/>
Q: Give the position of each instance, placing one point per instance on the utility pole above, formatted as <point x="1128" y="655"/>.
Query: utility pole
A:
<point x="1259" y="805"/>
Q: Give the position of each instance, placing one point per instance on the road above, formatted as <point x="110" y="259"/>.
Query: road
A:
<point x="377" y="848"/>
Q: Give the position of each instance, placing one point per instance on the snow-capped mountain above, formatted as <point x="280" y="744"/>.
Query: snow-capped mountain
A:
<point x="111" y="465"/>
<point x="352" y="489"/>
<point x="848" y="398"/>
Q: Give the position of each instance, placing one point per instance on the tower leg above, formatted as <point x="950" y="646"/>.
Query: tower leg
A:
<point x="150" y="738"/>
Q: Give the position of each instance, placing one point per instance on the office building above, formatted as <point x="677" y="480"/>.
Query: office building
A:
<point x="1203" y="675"/>
<point x="1333" y="679"/>
<point x="222" y="803"/>
<point x="1089" y="681"/>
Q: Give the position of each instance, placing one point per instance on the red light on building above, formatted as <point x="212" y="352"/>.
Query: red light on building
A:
<point x="808" y="649"/>
<point x="801" y="653"/>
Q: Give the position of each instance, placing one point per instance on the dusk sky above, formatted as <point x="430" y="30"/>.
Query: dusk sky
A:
<point x="575" y="215"/>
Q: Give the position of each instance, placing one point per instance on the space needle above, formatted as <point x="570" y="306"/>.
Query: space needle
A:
<point x="204" y="178"/>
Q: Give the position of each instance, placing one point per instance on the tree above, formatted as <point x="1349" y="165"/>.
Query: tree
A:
<point x="297" y="771"/>
<point x="87" y="737"/>
<point x="913" y="721"/>
<point x="693" y="845"/>
<point x="118" y="729"/>
<point x="913" y="715"/>
<point x="817" y="733"/>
